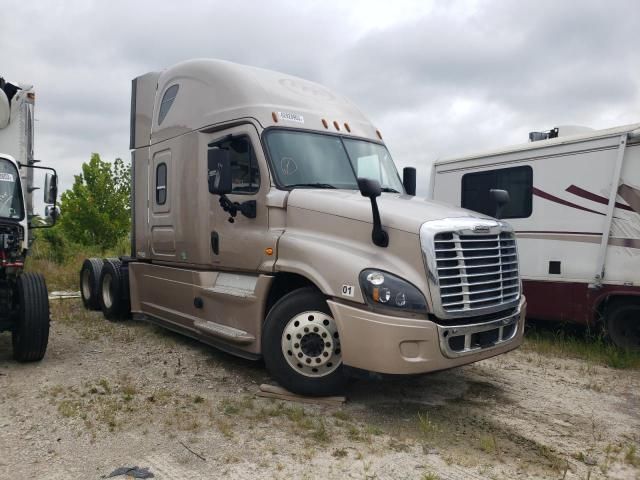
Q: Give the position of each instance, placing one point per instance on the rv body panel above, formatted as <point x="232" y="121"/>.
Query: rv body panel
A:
<point x="559" y="242"/>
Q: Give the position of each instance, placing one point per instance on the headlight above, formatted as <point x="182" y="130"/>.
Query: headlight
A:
<point x="384" y="290"/>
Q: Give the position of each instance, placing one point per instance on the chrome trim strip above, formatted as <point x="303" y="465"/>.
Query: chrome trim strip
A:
<point x="447" y="332"/>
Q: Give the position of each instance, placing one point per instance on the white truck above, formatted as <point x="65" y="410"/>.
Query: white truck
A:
<point x="24" y="302"/>
<point x="575" y="207"/>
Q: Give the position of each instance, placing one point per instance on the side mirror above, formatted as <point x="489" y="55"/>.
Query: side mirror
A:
<point x="50" y="188"/>
<point x="219" y="171"/>
<point x="52" y="212"/>
<point x="409" y="180"/>
<point x="501" y="197"/>
<point x="371" y="189"/>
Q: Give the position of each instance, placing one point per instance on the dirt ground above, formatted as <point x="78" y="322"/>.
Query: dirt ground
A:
<point x="109" y="395"/>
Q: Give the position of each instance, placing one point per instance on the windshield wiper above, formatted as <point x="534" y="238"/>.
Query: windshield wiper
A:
<point x="389" y="190"/>
<point x="312" y="185"/>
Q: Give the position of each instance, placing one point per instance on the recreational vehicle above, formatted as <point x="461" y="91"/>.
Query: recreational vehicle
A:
<point x="575" y="208"/>
<point x="269" y="220"/>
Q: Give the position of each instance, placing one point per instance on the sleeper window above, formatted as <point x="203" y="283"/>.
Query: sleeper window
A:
<point x="161" y="184"/>
<point x="245" y="173"/>
<point x="167" y="100"/>
<point x="518" y="181"/>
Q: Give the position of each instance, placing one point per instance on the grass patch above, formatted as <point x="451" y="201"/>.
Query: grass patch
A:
<point x="570" y="341"/>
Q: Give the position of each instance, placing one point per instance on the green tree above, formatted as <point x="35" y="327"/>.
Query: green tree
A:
<point x="97" y="210"/>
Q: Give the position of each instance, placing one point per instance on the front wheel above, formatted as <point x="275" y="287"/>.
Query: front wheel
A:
<point x="301" y="345"/>
<point x="31" y="333"/>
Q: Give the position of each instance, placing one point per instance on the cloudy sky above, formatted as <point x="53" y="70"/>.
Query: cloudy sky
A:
<point x="439" y="78"/>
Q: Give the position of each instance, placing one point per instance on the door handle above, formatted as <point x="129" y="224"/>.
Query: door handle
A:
<point x="215" y="242"/>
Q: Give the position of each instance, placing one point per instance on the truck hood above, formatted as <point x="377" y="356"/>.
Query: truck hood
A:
<point x="398" y="211"/>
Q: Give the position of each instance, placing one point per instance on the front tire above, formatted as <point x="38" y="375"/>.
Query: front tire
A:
<point x="622" y="319"/>
<point x="301" y="345"/>
<point x="31" y="333"/>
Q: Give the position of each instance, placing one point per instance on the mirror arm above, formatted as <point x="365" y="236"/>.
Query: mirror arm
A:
<point x="248" y="208"/>
<point x="378" y="235"/>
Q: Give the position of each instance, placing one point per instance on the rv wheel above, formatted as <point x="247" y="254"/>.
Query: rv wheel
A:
<point x="31" y="333"/>
<point x="623" y="323"/>
<point x="89" y="283"/>
<point x="113" y="290"/>
<point x="301" y="345"/>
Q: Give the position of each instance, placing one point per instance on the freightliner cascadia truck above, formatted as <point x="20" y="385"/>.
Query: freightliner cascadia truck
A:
<point x="24" y="302"/>
<point x="269" y="220"/>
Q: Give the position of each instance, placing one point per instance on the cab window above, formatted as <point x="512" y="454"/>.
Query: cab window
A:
<point x="245" y="173"/>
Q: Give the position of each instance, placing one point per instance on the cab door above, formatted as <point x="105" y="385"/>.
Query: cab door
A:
<point x="242" y="243"/>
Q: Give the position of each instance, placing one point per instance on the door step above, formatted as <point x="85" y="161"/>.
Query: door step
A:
<point x="231" y="334"/>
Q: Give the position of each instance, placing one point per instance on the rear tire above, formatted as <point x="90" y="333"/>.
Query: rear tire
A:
<point x="301" y="345"/>
<point x="31" y="333"/>
<point x="114" y="290"/>
<point x="90" y="283"/>
<point x="622" y="319"/>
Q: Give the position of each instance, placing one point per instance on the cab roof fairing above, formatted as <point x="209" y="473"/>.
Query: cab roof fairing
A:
<point x="213" y="92"/>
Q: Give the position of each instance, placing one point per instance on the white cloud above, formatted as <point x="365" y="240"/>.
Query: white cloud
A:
<point x="438" y="78"/>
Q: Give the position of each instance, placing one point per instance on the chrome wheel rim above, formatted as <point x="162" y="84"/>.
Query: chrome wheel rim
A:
<point x="86" y="285"/>
<point x="106" y="290"/>
<point x="311" y="344"/>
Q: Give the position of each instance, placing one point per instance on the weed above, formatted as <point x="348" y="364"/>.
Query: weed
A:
<point x="430" y="476"/>
<point x="342" y="415"/>
<point x="566" y="341"/>
<point x="225" y="427"/>
<point x="319" y="432"/>
<point x="339" y="453"/>
<point x="427" y="427"/>
<point x="630" y="456"/>
<point x="488" y="444"/>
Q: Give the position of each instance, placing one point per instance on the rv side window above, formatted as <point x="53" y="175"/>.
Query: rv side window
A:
<point x="167" y="100"/>
<point x="518" y="181"/>
<point x="161" y="184"/>
<point x="245" y="173"/>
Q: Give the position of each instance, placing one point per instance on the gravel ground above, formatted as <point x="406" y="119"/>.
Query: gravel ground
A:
<point x="109" y="395"/>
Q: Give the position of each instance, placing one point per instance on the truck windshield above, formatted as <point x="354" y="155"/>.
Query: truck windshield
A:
<point x="315" y="160"/>
<point x="10" y="193"/>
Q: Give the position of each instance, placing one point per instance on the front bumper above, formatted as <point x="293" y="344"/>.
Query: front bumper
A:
<point x="396" y="345"/>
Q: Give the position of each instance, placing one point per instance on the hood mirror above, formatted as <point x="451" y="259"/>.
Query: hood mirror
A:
<point x="409" y="180"/>
<point x="501" y="198"/>
<point x="371" y="189"/>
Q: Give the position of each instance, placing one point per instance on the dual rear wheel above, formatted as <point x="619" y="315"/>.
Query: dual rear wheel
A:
<point x="104" y="285"/>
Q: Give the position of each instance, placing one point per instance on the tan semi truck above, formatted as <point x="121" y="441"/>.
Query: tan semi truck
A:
<point x="269" y="221"/>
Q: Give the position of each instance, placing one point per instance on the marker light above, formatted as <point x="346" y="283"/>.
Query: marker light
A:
<point x="274" y="116"/>
<point x="337" y="125"/>
<point x="325" y="123"/>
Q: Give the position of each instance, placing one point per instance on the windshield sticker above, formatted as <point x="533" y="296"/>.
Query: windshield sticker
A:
<point x="6" y="177"/>
<point x="291" y="117"/>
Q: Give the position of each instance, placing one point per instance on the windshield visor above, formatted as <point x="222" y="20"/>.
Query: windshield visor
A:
<point x="304" y="159"/>
<point x="10" y="192"/>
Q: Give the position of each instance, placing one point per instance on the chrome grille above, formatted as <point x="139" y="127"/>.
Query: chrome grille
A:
<point x="476" y="271"/>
